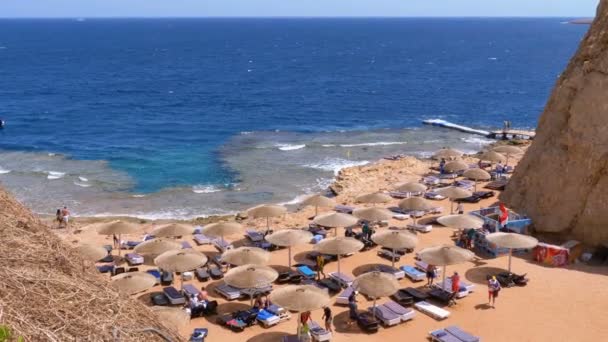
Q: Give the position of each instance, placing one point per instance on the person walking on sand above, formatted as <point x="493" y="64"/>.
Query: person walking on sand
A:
<point x="460" y="208"/>
<point x="58" y="218"/>
<point x="430" y="274"/>
<point x="493" y="289"/>
<point x="455" y="282"/>
<point x="320" y="265"/>
<point x="365" y="230"/>
<point x="328" y="318"/>
<point x="352" y="308"/>
<point x="442" y="166"/>
<point x="65" y="216"/>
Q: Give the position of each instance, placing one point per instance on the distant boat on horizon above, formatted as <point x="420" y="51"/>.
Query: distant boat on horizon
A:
<point x="581" y="21"/>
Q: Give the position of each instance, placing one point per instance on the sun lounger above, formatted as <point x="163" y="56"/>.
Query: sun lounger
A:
<point x="254" y="235"/>
<point x="444" y="297"/>
<point x="134" y="259"/>
<point x="452" y="334"/>
<point x="403" y="298"/>
<point x="343" y="279"/>
<point x="290" y="338"/>
<point x="231" y="323"/>
<point x="399" y="274"/>
<point x="345" y="209"/>
<point x="423" y="228"/>
<point x="186" y="245"/>
<point x="367" y="322"/>
<point x="432" y="310"/>
<point x="175" y="297"/>
<point x="258" y="291"/>
<point x="332" y="285"/>
<point x="107" y="258"/>
<point x="228" y="292"/>
<point x="386" y="316"/>
<point x="497" y="185"/>
<point x="464" y="290"/>
<point x="421" y="265"/>
<point x="433" y="196"/>
<point x="416" y="294"/>
<point x="317" y="230"/>
<point x="413" y="273"/>
<point x="306" y="271"/>
<point x="289" y="277"/>
<point x="159" y="299"/>
<point x="406" y="314"/>
<point x="222" y="245"/>
<point x="279" y="311"/>
<point x="388" y="254"/>
<point x="215" y="272"/>
<point x="316" y="239"/>
<point x="267" y="319"/>
<point x="318" y="333"/>
<point x="199" y="335"/>
<point x="201" y="239"/>
<point x="129" y="244"/>
<point x="190" y="290"/>
<point x="201" y="274"/>
<point x="105" y="268"/>
<point x="342" y="298"/>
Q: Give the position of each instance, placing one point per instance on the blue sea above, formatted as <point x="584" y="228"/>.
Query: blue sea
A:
<point x="177" y="118"/>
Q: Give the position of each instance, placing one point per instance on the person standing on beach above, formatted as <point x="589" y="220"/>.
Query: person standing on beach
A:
<point x="442" y="166"/>
<point x="352" y="308"/>
<point x="430" y="274"/>
<point x="455" y="283"/>
<point x="328" y="318"/>
<point x="320" y="266"/>
<point x="460" y="208"/>
<point x="365" y="230"/>
<point x="65" y="216"/>
<point x="493" y="289"/>
<point x="499" y="170"/>
<point x="58" y="218"/>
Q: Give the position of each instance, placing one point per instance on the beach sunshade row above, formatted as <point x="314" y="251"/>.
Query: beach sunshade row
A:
<point x="461" y="221"/>
<point x="246" y="255"/>
<point x="335" y="220"/>
<point x="508" y="150"/>
<point x="250" y="276"/>
<point x="91" y="252"/>
<point x="133" y="282"/>
<point x="477" y="175"/>
<point x="220" y="229"/>
<point x="493" y="157"/>
<point x="512" y="240"/>
<point x="416" y="203"/>
<point x="373" y="214"/>
<point x="338" y="246"/>
<point x="447" y="153"/>
<point x="445" y="255"/>
<point x="411" y="187"/>
<point x="319" y="201"/>
<point x="455" y="166"/>
<point x="289" y="237"/>
<point x="157" y="246"/>
<point x="267" y="210"/>
<point x="300" y="298"/>
<point x="180" y="260"/>
<point x="454" y="192"/>
<point x="374" y="198"/>
<point x="376" y="284"/>
<point x="117" y="228"/>
<point x="173" y="229"/>
<point x="394" y="239"/>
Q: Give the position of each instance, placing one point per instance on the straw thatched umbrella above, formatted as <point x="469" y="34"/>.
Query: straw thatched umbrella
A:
<point x="156" y="246"/>
<point x="91" y="252"/>
<point x="338" y="246"/>
<point x="447" y="153"/>
<point x="477" y="175"/>
<point x="288" y="238"/>
<point x="319" y="201"/>
<point x="300" y="298"/>
<point x="411" y="187"/>
<point x="492" y="157"/>
<point x="445" y="255"/>
<point x="335" y="220"/>
<point x="374" y="198"/>
<point x="373" y="214"/>
<point x="395" y="240"/>
<point x="508" y="151"/>
<point x="461" y="221"/>
<point x="267" y="211"/>
<point x="133" y="282"/>
<point x="376" y="285"/>
<point x="455" y="166"/>
<point x="184" y="260"/>
<point x="221" y="229"/>
<point x="175" y="317"/>
<point x="511" y="241"/>
<point x="117" y="228"/>
<point x="246" y="255"/>
<point x="250" y="277"/>
<point x="415" y="204"/>
<point x="454" y="193"/>
<point x="173" y="229"/>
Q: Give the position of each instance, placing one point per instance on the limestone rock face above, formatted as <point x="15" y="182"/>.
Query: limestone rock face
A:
<point x="562" y="181"/>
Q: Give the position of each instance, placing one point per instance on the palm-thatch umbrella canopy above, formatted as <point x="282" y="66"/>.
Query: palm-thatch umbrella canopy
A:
<point x="338" y="246"/>
<point x="92" y="252"/>
<point x="175" y="317"/>
<point x="376" y="285"/>
<point x="117" y="228"/>
<point x="288" y="238"/>
<point x="373" y="214"/>
<point x="246" y="255"/>
<point x="492" y="157"/>
<point x="374" y="198"/>
<point x="250" y="277"/>
<point x="511" y="241"/>
<point x="395" y="240"/>
<point x="221" y="229"/>
<point x="455" y="166"/>
<point x="133" y="282"/>
<point x="157" y="246"/>
<point x="454" y="193"/>
<point x="415" y="204"/>
<point x="335" y="220"/>
<point x="445" y="255"/>
<point x="300" y="298"/>
<point x="184" y="260"/>
<point x="411" y="187"/>
<point x="319" y="201"/>
<point x="477" y="175"/>
<point x="267" y="211"/>
<point x="461" y="221"/>
<point x="508" y="151"/>
<point x="173" y="229"/>
<point x="447" y="153"/>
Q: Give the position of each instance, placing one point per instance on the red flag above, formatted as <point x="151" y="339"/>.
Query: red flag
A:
<point x="504" y="216"/>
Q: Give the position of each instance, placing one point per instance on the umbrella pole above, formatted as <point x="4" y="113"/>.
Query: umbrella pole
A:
<point x="374" y="306"/>
<point x="475" y="184"/>
<point x="289" y="255"/>
<point x="451" y="206"/>
<point x="298" y="326"/>
<point x="338" y="262"/>
<point x="443" y="283"/>
<point x="510" y="254"/>
<point x="119" y="242"/>
<point x="316" y="210"/>
<point x="267" y="224"/>
<point x="392" y="260"/>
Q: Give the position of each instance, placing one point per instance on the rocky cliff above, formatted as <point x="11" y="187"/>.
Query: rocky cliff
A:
<point x="562" y="182"/>
<point x="47" y="295"/>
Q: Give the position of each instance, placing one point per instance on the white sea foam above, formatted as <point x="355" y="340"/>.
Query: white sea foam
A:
<point x="54" y="174"/>
<point x="477" y="140"/>
<point x="246" y="133"/>
<point x="84" y="185"/>
<point x="82" y="179"/>
<point x="205" y="189"/>
<point x="289" y="147"/>
<point x="379" y="143"/>
<point x="138" y="196"/>
<point x="296" y="200"/>
<point x="492" y="58"/>
<point x="336" y="164"/>
<point x="3" y="171"/>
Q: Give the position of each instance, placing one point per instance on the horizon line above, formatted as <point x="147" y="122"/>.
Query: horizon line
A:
<point x="299" y="17"/>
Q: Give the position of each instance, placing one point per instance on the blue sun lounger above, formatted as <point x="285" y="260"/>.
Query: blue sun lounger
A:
<point x="452" y="334"/>
<point x="190" y="290"/>
<point x="306" y="271"/>
<point x="175" y="297"/>
<point x="413" y="273"/>
<point x="202" y="239"/>
<point x="254" y="235"/>
<point x="267" y="318"/>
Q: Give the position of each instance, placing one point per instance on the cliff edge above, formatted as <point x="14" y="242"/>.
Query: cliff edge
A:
<point x="562" y="181"/>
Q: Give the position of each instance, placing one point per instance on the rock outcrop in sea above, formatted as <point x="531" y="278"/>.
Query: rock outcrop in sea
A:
<point x="562" y="181"/>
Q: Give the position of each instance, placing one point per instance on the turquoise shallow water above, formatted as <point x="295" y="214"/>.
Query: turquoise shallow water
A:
<point x="202" y="116"/>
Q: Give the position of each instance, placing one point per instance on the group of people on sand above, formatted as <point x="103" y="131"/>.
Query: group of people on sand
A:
<point x="306" y="319"/>
<point x="62" y="217"/>
<point x="198" y="303"/>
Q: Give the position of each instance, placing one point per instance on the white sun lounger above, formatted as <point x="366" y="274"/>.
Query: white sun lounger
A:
<point x="318" y="333"/>
<point x="464" y="290"/>
<point x="399" y="274"/>
<point x="254" y="236"/>
<point x="386" y="316"/>
<point x="134" y="259"/>
<point x="228" y="292"/>
<point x="202" y="239"/>
<point x="432" y="310"/>
<point x="421" y="265"/>
<point x="413" y="273"/>
<point x="190" y="290"/>
<point x="222" y="245"/>
<point x="343" y="279"/>
<point x="342" y="298"/>
<point x="267" y="318"/>
<point x="279" y="311"/>
<point x="423" y="228"/>
<point x="406" y="314"/>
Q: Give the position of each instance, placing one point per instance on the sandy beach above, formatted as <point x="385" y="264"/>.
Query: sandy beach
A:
<point x="558" y="304"/>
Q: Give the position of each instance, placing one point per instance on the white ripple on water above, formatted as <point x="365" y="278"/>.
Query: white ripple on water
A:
<point x="289" y="147"/>
<point x="54" y="175"/>
<point x="205" y="189"/>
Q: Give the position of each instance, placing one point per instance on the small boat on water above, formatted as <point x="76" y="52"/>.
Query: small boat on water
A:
<point x="1" y="123"/>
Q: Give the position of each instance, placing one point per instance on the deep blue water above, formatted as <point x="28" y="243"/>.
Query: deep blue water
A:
<point x="159" y="98"/>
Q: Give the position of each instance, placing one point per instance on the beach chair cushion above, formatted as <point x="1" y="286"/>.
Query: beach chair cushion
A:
<point x="306" y="271"/>
<point x="190" y="290"/>
<point x="201" y="239"/>
<point x="175" y="297"/>
<point x="417" y="294"/>
<point x="385" y="315"/>
<point x="406" y="314"/>
<point x="342" y="278"/>
<point x="228" y="291"/>
<point x="134" y="259"/>
<point x="452" y="334"/>
<point x="432" y="310"/>
<point x="199" y="335"/>
<point x="385" y="253"/>
<point x="413" y="273"/>
<point x="186" y="245"/>
<point x="159" y="299"/>
<point x="403" y="298"/>
<point x="216" y="272"/>
<point x="202" y="275"/>
<point x="105" y="268"/>
<point x="330" y="284"/>
<point x="367" y="322"/>
<point x="318" y="333"/>
<point x="342" y="298"/>
<point x="267" y="318"/>
<point x="254" y="235"/>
